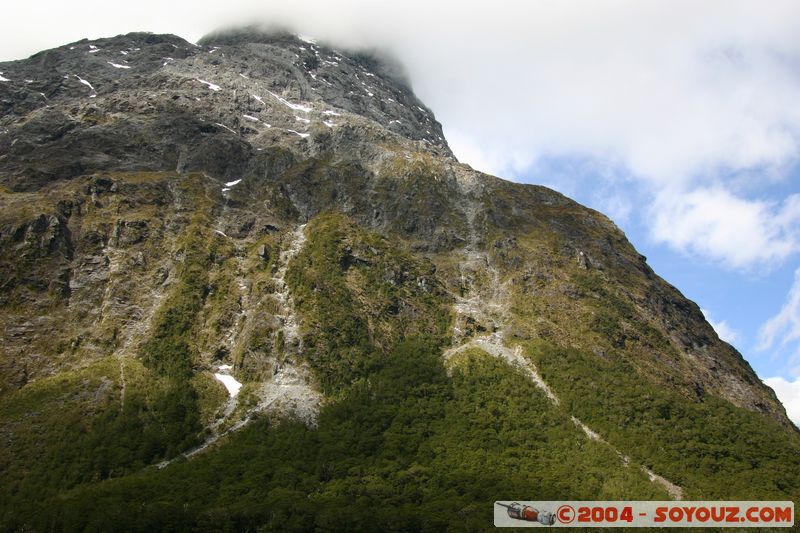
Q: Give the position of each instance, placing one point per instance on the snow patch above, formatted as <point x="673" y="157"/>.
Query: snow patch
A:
<point x="331" y="113"/>
<point x="213" y="86"/>
<point x="303" y="135"/>
<point x="117" y="65"/>
<point x="123" y="52"/>
<point x="223" y="125"/>
<point x="307" y="39"/>
<point x="303" y="120"/>
<point x="2" y="78"/>
<point x="83" y="81"/>
<point x="297" y="107"/>
<point x="329" y="124"/>
<point x="258" y="98"/>
<point x="251" y="118"/>
<point x="232" y="183"/>
<point x="230" y="383"/>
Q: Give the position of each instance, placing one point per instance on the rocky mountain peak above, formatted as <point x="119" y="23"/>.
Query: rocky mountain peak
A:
<point x="246" y="90"/>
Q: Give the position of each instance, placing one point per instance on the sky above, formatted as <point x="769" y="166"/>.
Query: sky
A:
<point x="678" y="119"/>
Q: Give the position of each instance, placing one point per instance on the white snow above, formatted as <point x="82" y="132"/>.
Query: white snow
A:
<point x="303" y="135"/>
<point x="230" y="383"/>
<point x="252" y="118"/>
<point x="83" y="81"/>
<point x="331" y="113"/>
<point x="303" y="120"/>
<point x="297" y="107"/>
<point x="232" y="183"/>
<point x="93" y="47"/>
<point x="245" y="77"/>
<point x="307" y="39"/>
<point x="213" y="86"/>
<point x="258" y="98"/>
<point x="223" y="126"/>
<point x="123" y="52"/>
<point x="329" y="124"/>
<point x="94" y="51"/>
<point x="221" y="233"/>
<point x="225" y="368"/>
<point x="117" y="65"/>
<point x="2" y="78"/>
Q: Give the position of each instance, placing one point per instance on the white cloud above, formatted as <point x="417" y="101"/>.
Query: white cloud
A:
<point x="740" y="233"/>
<point x="786" y="324"/>
<point x="723" y="329"/>
<point x="788" y="393"/>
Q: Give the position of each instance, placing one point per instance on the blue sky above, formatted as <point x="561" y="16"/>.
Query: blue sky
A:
<point x="680" y="119"/>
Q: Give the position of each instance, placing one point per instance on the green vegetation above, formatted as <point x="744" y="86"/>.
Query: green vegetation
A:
<point x="117" y="415"/>
<point x="403" y="443"/>
<point x="359" y="295"/>
<point x="408" y="449"/>
<point x="712" y="449"/>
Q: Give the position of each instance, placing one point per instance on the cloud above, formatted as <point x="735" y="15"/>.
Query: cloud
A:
<point x="723" y="329"/>
<point x="786" y="324"/>
<point x="715" y="223"/>
<point x="788" y="393"/>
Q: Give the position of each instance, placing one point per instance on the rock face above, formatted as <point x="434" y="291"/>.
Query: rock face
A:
<point x="167" y="209"/>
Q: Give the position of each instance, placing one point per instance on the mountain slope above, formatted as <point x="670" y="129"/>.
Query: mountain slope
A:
<point x="408" y="333"/>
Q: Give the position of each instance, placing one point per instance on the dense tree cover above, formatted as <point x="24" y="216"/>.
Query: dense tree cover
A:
<point x="408" y="449"/>
<point x="711" y="448"/>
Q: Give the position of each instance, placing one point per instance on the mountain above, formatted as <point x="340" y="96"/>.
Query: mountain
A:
<point x="245" y="284"/>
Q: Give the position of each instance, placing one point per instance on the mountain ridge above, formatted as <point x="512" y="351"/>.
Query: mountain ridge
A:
<point x="287" y="215"/>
